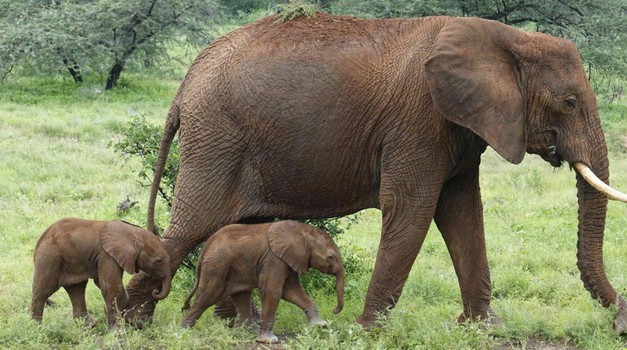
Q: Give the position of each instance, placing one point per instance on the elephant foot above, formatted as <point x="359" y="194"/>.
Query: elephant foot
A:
<point x="225" y="309"/>
<point x="187" y="324"/>
<point x="620" y="322"/>
<point x="89" y="322"/>
<point x="140" y="305"/>
<point x="139" y="315"/>
<point x="318" y="323"/>
<point x="254" y="327"/>
<point x="267" y="338"/>
<point x="248" y="323"/>
<point x="367" y="322"/>
<point x="488" y="318"/>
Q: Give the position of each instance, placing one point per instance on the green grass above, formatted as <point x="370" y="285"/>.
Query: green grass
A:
<point x="55" y="162"/>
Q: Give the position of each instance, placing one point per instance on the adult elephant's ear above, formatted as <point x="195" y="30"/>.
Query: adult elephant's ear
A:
<point x="473" y="78"/>
<point x="289" y="245"/>
<point x="120" y="243"/>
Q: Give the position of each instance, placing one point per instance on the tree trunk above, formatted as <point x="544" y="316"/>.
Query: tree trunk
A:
<point x="114" y="74"/>
<point x="76" y="74"/>
<point x="75" y="71"/>
<point x="73" y="68"/>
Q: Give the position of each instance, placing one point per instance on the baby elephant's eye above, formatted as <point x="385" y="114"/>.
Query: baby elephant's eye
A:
<point x="331" y="257"/>
<point x="158" y="259"/>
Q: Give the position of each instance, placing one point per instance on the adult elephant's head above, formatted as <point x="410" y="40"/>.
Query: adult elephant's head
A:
<point x="528" y="92"/>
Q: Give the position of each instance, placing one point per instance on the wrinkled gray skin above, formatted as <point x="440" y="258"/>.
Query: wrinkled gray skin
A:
<point x="239" y="258"/>
<point x="325" y="116"/>
<point x="71" y="251"/>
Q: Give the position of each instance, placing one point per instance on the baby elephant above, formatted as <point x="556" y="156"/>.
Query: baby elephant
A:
<point x="73" y="250"/>
<point x="240" y="258"/>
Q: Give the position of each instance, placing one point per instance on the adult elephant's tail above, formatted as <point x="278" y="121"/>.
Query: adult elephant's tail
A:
<point x="172" y="124"/>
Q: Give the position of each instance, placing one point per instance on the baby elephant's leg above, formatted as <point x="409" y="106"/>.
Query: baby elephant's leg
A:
<point x="111" y="287"/>
<point x="243" y="304"/>
<point x="294" y="293"/>
<point x="76" y="292"/>
<point x="45" y="283"/>
<point x="210" y="290"/>
<point x="270" y="297"/>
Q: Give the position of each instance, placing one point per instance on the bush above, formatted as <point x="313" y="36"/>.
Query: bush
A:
<point x="141" y="140"/>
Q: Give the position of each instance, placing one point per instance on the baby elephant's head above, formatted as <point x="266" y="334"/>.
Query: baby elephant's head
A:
<point x="303" y="246"/>
<point x="136" y="249"/>
<point x="154" y="261"/>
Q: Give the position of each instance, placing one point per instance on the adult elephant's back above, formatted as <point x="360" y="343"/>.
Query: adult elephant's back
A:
<point x="295" y="116"/>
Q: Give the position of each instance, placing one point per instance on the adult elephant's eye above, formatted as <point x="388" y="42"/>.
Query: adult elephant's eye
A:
<point x="571" y="103"/>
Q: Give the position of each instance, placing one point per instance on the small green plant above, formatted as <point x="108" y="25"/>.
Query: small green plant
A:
<point x="294" y="9"/>
<point x="141" y="140"/>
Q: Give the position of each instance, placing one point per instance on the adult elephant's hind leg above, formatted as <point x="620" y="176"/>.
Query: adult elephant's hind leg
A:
<point x="194" y="219"/>
<point x="459" y="217"/>
<point x="207" y="197"/>
<point x="406" y="219"/>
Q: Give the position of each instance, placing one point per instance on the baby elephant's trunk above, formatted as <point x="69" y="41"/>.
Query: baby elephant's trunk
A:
<point x="165" y="288"/>
<point x="339" y="287"/>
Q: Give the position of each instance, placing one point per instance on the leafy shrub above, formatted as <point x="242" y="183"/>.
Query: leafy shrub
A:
<point x="294" y="9"/>
<point x="141" y="140"/>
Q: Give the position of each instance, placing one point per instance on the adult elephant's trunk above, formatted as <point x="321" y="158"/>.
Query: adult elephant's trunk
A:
<point x="592" y="214"/>
<point x="339" y="287"/>
<point x="165" y="288"/>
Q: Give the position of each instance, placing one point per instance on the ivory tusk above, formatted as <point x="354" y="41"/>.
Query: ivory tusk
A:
<point x="601" y="186"/>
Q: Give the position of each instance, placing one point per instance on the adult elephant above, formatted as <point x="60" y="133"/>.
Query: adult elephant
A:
<point x="325" y="116"/>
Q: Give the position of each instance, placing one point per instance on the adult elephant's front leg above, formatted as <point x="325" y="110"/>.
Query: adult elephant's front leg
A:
<point x="407" y="214"/>
<point x="459" y="217"/>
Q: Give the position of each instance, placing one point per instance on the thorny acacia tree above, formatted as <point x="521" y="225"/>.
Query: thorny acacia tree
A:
<point x="102" y="36"/>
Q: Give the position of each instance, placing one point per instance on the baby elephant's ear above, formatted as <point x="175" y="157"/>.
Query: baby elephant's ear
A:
<point x="119" y="242"/>
<point x="288" y="244"/>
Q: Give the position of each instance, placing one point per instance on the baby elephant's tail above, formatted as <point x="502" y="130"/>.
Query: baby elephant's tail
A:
<point x="189" y="297"/>
<point x="195" y="288"/>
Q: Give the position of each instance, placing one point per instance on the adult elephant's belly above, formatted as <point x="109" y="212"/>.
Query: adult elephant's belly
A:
<point x="311" y="184"/>
<point x="307" y="161"/>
